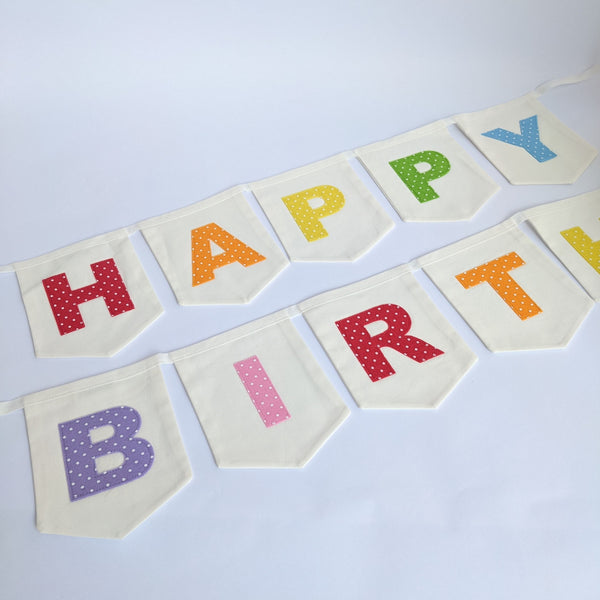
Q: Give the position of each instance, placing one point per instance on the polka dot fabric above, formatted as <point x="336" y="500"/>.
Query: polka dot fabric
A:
<point x="80" y="453"/>
<point x="418" y="182"/>
<point x="367" y="348"/>
<point x="308" y="218"/>
<point x="584" y="245"/>
<point x="495" y="273"/>
<point x="263" y="394"/>
<point x="234" y="250"/>
<point x="65" y="301"/>
<point x="529" y="139"/>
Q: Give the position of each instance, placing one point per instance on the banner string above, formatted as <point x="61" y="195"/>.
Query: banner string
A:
<point x="295" y="310"/>
<point x="538" y="91"/>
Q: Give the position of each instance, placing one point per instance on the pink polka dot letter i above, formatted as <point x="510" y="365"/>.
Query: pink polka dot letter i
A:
<point x="263" y="394"/>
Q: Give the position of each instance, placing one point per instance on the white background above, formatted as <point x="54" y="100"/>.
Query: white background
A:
<point x="113" y="112"/>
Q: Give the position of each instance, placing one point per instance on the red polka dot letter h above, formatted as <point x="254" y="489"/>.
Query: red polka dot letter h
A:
<point x="65" y="301"/>
<point x="367" y="347"/>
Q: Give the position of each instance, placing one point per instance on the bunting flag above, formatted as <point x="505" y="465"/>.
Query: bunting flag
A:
<point x="389" y="342"/>
<point x="527" y="143"/>
<point x="571" y="229"/>
<point x="427" y="176"/>
<point x="511" y="294"/>
<point x="313" y="209"/>
<point x="260" y="395"/>
<point x="215" y="251"/>
<point x="105" y="452"/>
<point x="88" y="299"/>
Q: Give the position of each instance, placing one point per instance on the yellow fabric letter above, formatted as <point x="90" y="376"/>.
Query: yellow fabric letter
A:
<point x="309" y="218"/>
<point x="584" y="245"/>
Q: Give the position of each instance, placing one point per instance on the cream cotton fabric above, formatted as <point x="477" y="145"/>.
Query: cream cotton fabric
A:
<point x="65" y="326"/>
<point x="511" y="294"/>
<point x="527" y="121"/>
<point x="186" y="244"/>
<point x="323" y="212"/>
<point x="406" y="382"/>
<point x="236" y="424"/>
<point x="67" y="425"/>
<point x="440" y="166"/>
<point x="571" y="229"/>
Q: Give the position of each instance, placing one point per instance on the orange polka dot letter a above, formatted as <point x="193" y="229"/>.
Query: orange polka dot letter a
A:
<point x="495" y="273"/>
<point x="309" y="218"/>
<point x="204" y="262"/>
<point x="367" y="347"/>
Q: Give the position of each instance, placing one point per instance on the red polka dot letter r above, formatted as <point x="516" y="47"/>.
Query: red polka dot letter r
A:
<point x="367" y="347"/>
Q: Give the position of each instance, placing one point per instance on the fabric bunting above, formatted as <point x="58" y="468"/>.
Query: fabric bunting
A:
<point x="260" y="395"/>
<point x="88" y="299"/>
<point x="102" y="465"/>
<point x="427" y="176"/>
<point x="389" y="342"/>
<point x="511" y="294"/>
<point x="313" y="208"/>
<point x="527" y="143"/>
<point x="571" y="229"/>
<point x="105" y="452"/>
<point x="215" y="251"/>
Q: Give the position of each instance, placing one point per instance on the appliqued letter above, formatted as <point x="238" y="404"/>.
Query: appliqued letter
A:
<point x="584" y="245"/>
<point x="263" y="394"/>
<point x="204" y="262"/>
<point x="80" y="453"/>
<point x="65" y="302"/>
<point x="495" y="272"/>
<point x="309" y="218"/>
<point x="367" y="347"/>
<point x="418" y="181"/>
<point x="528" y="139"/>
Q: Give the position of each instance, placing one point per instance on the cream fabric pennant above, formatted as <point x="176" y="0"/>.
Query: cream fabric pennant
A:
<point x="571" y="229"/>
<point x="323" y="212"/>
<point x="527" y="143"/>
<point x="105" y="451"/>
<point x="427" y="176"/>
<point x="215" y="251"/>
<point x="511" y="294"/>
<point x="88" y="299"/>
<point x="260" y="395"/>
<point x="389" y="342"/>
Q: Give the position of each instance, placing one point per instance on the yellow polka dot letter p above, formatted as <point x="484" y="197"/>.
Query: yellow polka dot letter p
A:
<point x="307" y="216"/>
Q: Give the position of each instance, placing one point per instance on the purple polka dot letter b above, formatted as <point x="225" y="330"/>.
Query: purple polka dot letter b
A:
<point x="80" y="452"/>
